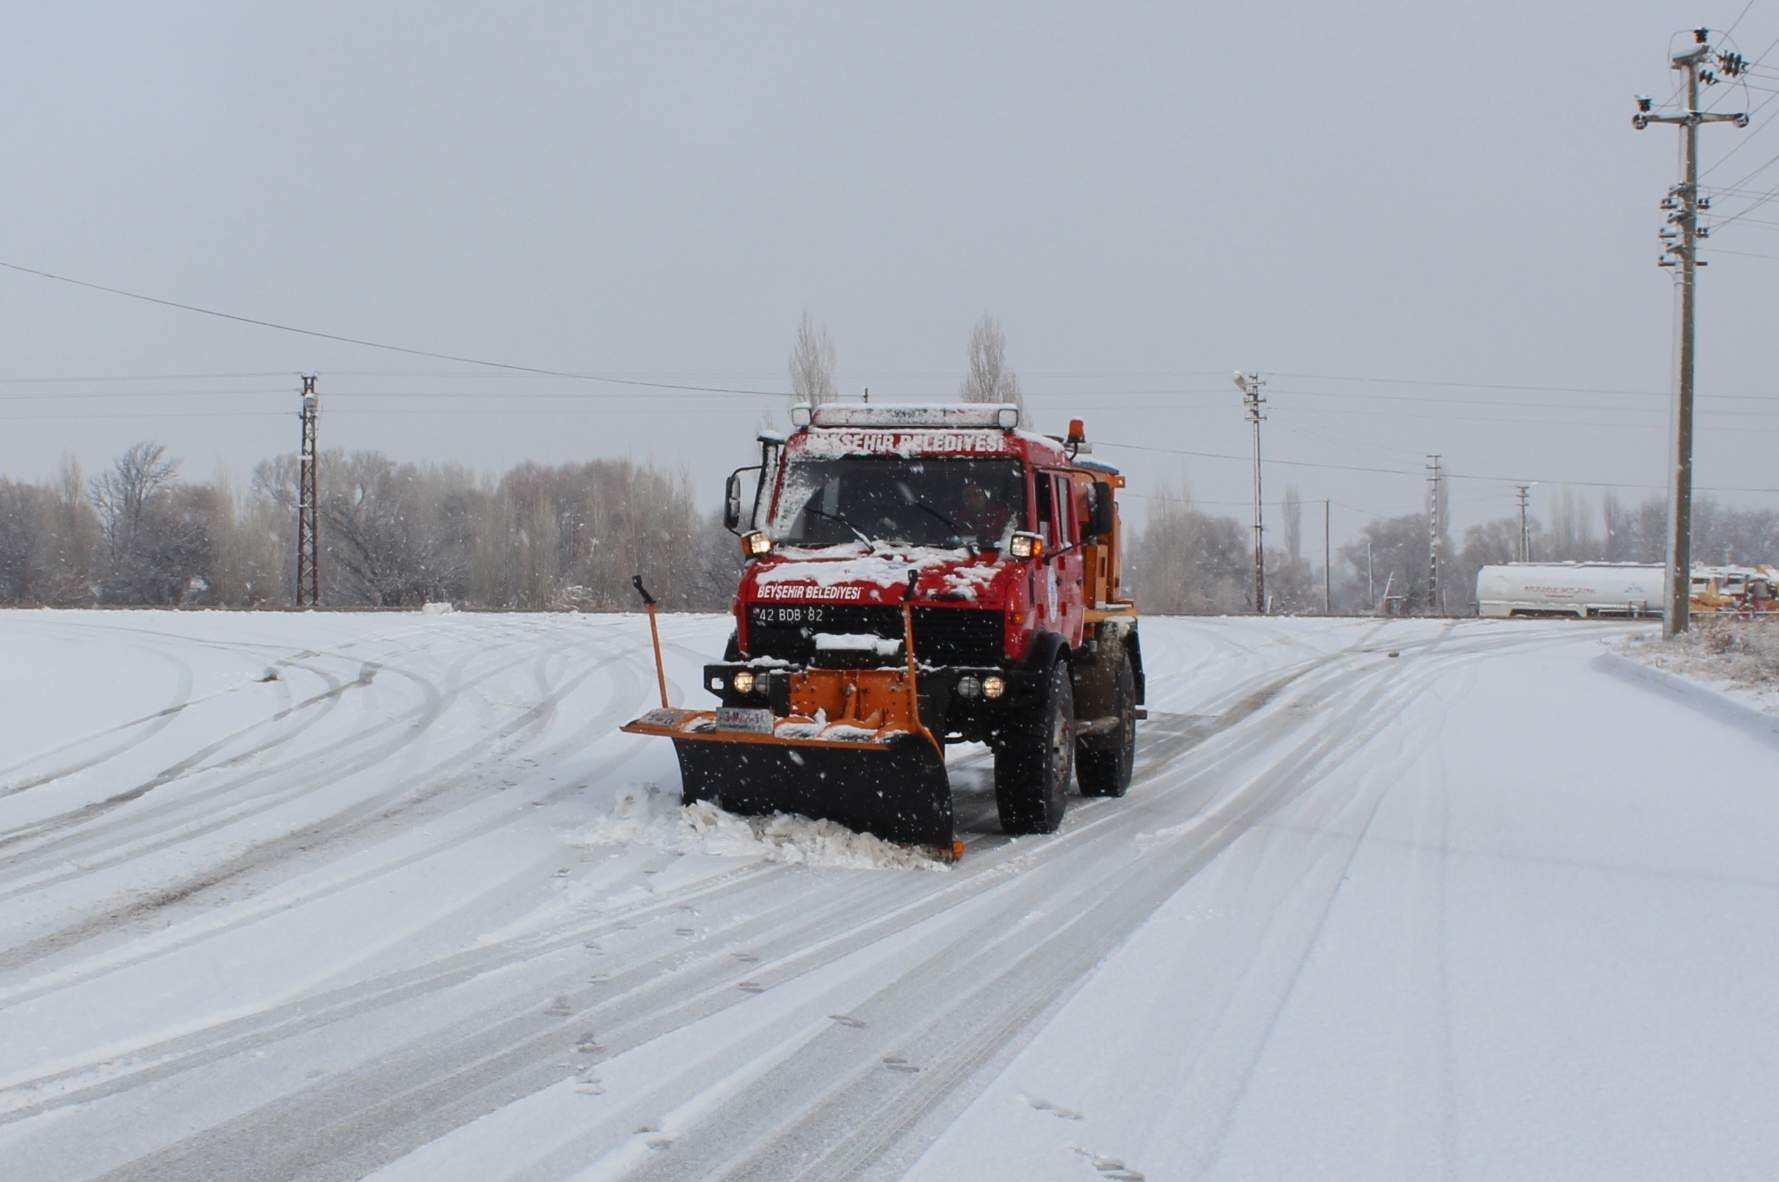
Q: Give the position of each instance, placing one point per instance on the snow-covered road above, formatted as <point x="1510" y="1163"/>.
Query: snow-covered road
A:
<point x="335" y="896"/>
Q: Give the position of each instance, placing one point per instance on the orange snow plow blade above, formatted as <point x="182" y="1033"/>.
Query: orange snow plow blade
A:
<point x="850" y="749"/>
<point x="873" y="773"/>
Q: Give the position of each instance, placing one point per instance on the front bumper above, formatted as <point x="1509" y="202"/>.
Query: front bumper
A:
<point x="950" y="714"/>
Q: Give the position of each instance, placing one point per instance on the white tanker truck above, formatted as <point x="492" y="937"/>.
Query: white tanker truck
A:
<point x="1579" y="589"/>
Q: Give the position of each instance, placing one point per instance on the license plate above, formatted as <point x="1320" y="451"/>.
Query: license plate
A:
<point x="752" y="719"/>
<point x="793" y="614"/>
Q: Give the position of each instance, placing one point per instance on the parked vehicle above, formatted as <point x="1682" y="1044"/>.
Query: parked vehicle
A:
<point x="1596" y="590"/>
<point x="1580" y="589"/>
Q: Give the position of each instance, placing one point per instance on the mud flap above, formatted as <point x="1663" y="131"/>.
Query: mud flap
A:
<point x="899" y="793"/>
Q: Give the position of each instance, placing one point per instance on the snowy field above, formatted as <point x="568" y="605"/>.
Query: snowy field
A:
<point x="336" y="896"/>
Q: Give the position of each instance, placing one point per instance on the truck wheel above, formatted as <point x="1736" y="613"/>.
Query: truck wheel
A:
<point x="1033" y="762"/>
<point x="732" y="650"/>
<point x="1103" y="762"/>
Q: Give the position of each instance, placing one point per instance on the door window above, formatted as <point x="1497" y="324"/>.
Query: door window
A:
<point x="1041" y="485"/>
<point x="1064" y="533"/>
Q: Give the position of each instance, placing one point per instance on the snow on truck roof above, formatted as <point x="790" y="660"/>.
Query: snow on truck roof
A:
<point x="911" y="429"/>
<point x="1004" y="415"/>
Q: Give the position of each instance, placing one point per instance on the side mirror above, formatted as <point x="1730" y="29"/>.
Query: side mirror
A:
<point x="1103" y="517"/>
<point x="732" y="502"/>
<point x="732" y="498"/>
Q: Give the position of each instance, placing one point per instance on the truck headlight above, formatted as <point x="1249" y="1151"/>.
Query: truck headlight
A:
<point x="968" y="686"/>
<point x="1026" y="545"/>
<point x="743" y="682"/>
<point x="993" y="686"/>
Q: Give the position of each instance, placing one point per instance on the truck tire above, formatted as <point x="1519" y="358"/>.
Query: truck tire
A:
<point x="1103" y="762"/>
<point x="1033" y="762"/>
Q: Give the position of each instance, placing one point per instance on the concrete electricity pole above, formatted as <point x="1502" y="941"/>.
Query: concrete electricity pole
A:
<point x="1524" y="552"/>
<point x="308" y="546"/>
<point x="1434" y="603"/>
<point x="1327" y="569"/>
<point x="1249" y="384"/>
<point x="1684" y="204"/>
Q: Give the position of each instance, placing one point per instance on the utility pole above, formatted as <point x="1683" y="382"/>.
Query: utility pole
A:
<point x="1683" y="205"/>
<point x="1370" y="582"/>
<point x="1434" y="603"/>
<point x="1524" y="550"/>
<point x="1249" y="384"/>
<point x="1327" y="569"/>
<point x="308" y="575"/>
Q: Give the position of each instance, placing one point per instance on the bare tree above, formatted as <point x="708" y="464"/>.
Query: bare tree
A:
<point x="1292" y="512"/>
<point x="988" y="377"/>
<point x="1397" y="549"/>
<point x="123" y="494"/>
<point x="1186" y="561"/>
<point x="812" y="365"/>
<point x="1289" y="579"/>
<point x="155" y="541"/>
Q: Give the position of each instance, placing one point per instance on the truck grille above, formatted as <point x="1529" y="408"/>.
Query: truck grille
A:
<point x="957" y="636"/>
<point x="942" y="636"/>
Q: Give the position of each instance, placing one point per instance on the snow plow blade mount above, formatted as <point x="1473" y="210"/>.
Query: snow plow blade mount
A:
<point x="892" y="786"/>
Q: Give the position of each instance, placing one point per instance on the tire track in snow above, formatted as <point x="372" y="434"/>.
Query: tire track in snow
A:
<point x="193" y="762"/>
<point x="454" y="1084"/>
<point x="137" y="730"/>
<point x="729" y="977"/>
<point x="364" y="822"/>
<point x="305" y="838"/>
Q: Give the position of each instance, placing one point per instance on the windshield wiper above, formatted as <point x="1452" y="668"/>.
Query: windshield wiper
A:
<point x="957" y="531"/>
<point x="856" y="531"/>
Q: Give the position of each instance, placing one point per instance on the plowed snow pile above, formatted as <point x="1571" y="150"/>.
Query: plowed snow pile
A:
<point x="1736" y="657"/>
<point x="655" y="818"/>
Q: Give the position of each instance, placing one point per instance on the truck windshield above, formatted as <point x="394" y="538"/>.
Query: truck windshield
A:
<point x="922" y="501"/>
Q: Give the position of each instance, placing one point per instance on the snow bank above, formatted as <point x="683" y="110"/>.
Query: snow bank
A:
<point x="1739" y="658"/>
<point x="650" y="817"/>
<point x="436" y="609"/>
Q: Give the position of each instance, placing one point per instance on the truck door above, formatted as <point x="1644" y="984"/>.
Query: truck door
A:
<point x="1067" y="570"/>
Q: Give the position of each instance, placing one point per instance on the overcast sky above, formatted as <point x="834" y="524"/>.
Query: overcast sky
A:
<point x="1147" y="195"/>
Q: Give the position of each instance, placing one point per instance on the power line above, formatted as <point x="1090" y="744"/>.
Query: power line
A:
<point x="131" y="395"/>
<point x="156" y="377"/>
<point x="147" y="414"/>
<point x="1747" y="254"/>
<point x="1733" y="24"/>
<point x="1448" y="382"/>
<point x="370" y="344"/>
<point x="1418" y="475"/>
<point x="1743" y="142"/>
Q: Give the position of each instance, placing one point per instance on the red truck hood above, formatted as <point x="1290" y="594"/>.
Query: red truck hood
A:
<point x="879" y="575"/>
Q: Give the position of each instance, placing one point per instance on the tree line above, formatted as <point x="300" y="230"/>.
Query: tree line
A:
<point x="392" y="534"/>
<point x="569" y="536"/>
<point x="1187" y="561"/>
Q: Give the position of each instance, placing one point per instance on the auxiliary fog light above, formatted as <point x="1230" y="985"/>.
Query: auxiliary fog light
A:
<point x="743" y="682"/>
<point x="968" y="686"/>
<point x="993" y="686"/>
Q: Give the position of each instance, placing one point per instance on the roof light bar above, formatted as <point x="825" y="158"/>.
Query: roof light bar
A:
<point x="1004" y="415"/>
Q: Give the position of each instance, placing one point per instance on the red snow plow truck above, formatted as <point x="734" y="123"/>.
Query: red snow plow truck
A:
<point x="917" y="576"/>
